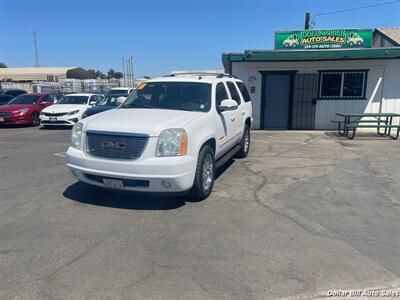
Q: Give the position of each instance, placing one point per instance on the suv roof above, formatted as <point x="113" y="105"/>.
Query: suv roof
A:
<point x="194" y="76"/>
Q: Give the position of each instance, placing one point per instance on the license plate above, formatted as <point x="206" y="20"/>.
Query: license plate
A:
<point x="1" y="120"/>
<point x="114" y="184"/>
<point x="53" y="119"/>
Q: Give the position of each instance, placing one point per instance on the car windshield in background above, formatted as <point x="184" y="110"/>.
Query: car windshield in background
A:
<point x="110" y="100"/>
<point x="113" y="92"/>
<point x="73" y="100"/>
<point x="24" y="99"/>
<point x="191" y="96"/>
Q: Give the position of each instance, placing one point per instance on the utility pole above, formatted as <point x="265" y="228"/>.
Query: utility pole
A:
<point x="123" y="69"/>
<point x="36" y="50"/>
<point x="133" y="77"/>
<point x="307" y="21"/>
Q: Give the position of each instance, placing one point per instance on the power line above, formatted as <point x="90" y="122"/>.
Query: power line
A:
<point x="356" y="8"/>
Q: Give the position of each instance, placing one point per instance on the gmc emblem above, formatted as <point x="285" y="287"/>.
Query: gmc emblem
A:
<point x="114" y="145"/>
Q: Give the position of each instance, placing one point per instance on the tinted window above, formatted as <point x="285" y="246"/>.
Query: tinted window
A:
<point x="220" y="93"/>
<point x="233" y="91"/>
<point x="74" y="100"/>
<point x="46" y="98"/>
<point x="244" y="91"/>
<point x="113" y="92"/>
<point x="55" y="98"/>
<point x="346" y="84"/>
<point x="353" y="84"/>
<point x="191" y="96"/>
<point x="24" y="99"/>
<point x="16" y="92"/>
<point x="5" y="98"/>
<point x="109" y="101"/>
<point x="331" y="84"/>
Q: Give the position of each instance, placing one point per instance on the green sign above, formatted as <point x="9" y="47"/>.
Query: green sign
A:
<point x="324" y="39"/>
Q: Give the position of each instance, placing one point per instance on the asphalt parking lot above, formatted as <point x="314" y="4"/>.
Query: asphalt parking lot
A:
<point x="305" y="213"/>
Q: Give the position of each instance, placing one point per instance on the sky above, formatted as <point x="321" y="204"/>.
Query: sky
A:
<point x="164" y="35"/>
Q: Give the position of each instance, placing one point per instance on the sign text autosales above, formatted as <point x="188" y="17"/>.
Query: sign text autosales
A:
<point x="323" y="39"/>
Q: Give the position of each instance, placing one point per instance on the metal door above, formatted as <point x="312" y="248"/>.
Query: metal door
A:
<point x="276" y="101"/>
<point x="304" y="96"/>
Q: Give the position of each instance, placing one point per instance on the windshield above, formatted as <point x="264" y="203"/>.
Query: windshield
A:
<point x="73" y="100"/>
<point x="110" y="100"/>
<point x="123" y="92"/>
<point x="191" y="96"/>
<point x="24" y="99"/>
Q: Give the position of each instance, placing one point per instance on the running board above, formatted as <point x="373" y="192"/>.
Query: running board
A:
<point x="227" y="156"/>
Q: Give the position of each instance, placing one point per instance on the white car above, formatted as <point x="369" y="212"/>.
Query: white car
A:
<point x="170" y="135"/>
<point x="121" y="91"/>
<point x="68" y="110"/>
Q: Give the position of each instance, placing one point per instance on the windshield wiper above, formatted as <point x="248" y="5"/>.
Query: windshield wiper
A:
<point x="141" y="106"/>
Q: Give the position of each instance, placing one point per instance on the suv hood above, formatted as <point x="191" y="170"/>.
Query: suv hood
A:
<point x="140" y="120"/>
<point x="16" y="107"/>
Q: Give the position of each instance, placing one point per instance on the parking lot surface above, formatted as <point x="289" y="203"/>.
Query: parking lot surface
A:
<point x="305" y="213"/>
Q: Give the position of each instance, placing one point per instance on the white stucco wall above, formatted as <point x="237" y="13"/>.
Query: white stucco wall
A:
<point x="382" y="92"/>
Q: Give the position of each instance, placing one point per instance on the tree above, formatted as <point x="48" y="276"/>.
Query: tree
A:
<point x="97" y="74"/>
<point x="118" y="75"/>
<point x="111" y="74"/>
<point x="3" y="65"/>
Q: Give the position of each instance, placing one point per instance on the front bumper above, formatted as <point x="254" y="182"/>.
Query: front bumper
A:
<point x="146" y="174"/>
<point x="65" y="120"/>
<point x="16" y="120"/>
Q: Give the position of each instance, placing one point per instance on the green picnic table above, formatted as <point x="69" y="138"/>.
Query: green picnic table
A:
<point x="350" y="122"/>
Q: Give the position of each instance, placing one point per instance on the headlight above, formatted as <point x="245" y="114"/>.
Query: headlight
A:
<point x="172" y="142"/>
<point x="22" y="111"/>
<point x="76" y="136"/>
<point x="73" y="112"/>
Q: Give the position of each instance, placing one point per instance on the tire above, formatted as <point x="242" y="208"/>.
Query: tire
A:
<point x="205" y="174"/>
<point x="35" y="119"/>
<point x="244" y="143"/>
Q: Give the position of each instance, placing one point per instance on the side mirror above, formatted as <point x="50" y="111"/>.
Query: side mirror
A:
<point x="226" y="105"/>
<point x="92" y="103"/>
<point x="121" y="100"/>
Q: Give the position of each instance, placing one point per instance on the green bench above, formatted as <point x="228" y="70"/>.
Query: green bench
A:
<point x="352" y="127"/>
<point x="352" y="121"/>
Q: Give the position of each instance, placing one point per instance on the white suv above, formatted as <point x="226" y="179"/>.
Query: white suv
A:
<point x="170" y="135"/>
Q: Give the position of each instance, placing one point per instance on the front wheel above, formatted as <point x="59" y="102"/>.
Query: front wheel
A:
<point x="205" y="173"/>
<point x="244" y="143"/>
<point x="35" y="119"/>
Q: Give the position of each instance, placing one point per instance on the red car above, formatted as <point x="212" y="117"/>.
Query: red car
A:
<point x="25" y="109"/>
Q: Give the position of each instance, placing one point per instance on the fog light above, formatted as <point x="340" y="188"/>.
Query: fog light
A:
<point x="166" y="184"/>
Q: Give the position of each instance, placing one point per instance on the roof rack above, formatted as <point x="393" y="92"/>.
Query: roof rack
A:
<point x="218" y="74"/>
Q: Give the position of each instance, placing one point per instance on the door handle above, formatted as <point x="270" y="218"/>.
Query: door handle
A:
<point x="243" y="112"/>
<point x="232" y="119"/>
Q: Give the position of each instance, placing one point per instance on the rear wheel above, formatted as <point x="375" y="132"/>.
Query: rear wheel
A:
<point x="244" y="143"/>
<point x="205" y="173"/>
<point x="35" y="119"/>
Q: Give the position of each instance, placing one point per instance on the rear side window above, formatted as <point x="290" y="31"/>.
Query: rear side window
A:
<point x="46" y="98"/>
<point x="220" y="93"/>
<point x="233" y="91"/>
<point x="244" y="91"/>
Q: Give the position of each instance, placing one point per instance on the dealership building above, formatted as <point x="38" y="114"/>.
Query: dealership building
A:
<point x="311" y="75"/>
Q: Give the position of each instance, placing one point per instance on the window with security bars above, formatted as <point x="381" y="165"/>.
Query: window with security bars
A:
<point x="342" y="84"/>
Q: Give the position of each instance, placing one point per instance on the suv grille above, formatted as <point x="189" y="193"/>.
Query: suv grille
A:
<point x="5" y="114"/>
<point x="115" y="145"/>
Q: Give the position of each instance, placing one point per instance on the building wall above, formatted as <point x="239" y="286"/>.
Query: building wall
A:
<point x="382" y="92"/>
